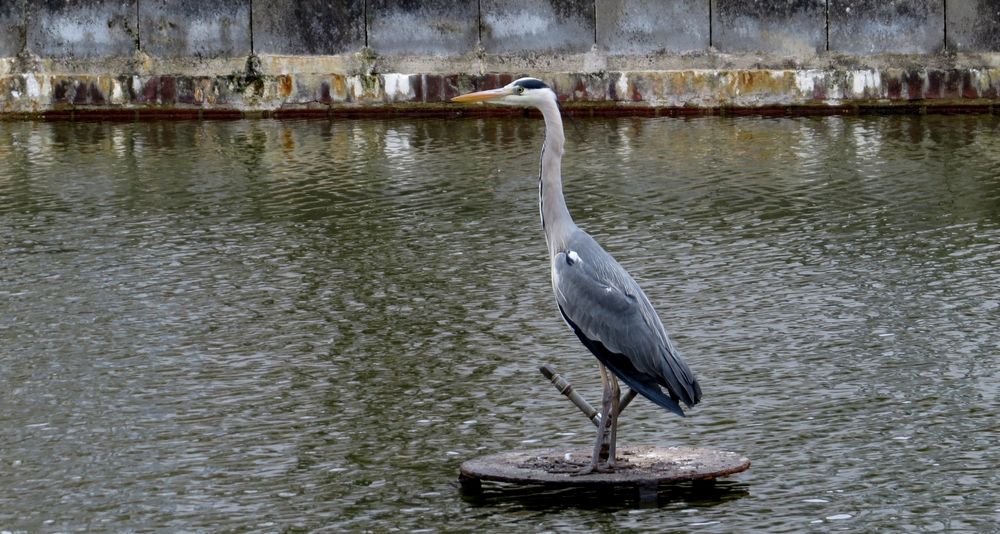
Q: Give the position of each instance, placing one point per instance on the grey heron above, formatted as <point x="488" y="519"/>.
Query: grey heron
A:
<point x="596" y="296"/>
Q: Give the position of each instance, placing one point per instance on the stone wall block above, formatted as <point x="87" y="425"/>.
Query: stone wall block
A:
<point x="561" y="83"/>
<point x="915" y="81"/>
<point x="577" y="87"/>
<point x="989" y="82"/>
<point x="952" y="87"/>
<point x="433" y="87"/>
<point x="973" y="25"/>
<point x="398" y="87"/>
<point x="893" y="80"/>
<point x="934" y="84"/>
<point x="428" y="27"/>
<point x="81" y="91"/>
<point x="63" y="90"/>
<point x="867" y="27"/>
<point x="456" y="84"/>
<point x="168" y="90"/>
<point x="865" y="84"/>
<point x="364" y="88"/>
<point x="794" y="28"/>
<point x="12" y="88"/>
<point x="308" y="27"/>
<point x="338" y="87"/>
<point x="149" y="91"/>
<point x="981" y="83"/>
<point x="184" y="87"/>
<point x="306" y="88"/>
<point x="537" y="26"/>
<point x="626" y="27"/>
<point x="622" y="87"/>
<point x="760" y="86"/>
<point x="12" y="30"/>
<point x="488" y="81"/>
<point x="642" y="88"/>
<point x="195" y="28"/>
<point x="82" y="28"/>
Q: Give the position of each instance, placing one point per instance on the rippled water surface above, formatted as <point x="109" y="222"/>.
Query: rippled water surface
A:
<point x="277" y="326"/>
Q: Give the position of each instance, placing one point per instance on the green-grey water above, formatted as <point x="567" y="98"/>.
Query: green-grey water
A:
<point x="275" y="326"/>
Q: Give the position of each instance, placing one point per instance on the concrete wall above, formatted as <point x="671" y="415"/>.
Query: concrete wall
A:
<point x="173" y="28"/>
<point x="875" y="26"/>
<point x="627" y="27"/>
<point x="307" y="27"/>
<point x="81" y="28"/>
<point x="796" y="28"/>
<point x="432" y="28"/>
<point x="973" y="25"/>
<point x="194" y="28"/>
<point x="11" y="28"/>
<point x="64" y="57"/>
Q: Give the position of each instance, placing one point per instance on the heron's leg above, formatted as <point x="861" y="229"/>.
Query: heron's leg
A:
<point x="613" y="413"/>
<point x="602" y="428"/>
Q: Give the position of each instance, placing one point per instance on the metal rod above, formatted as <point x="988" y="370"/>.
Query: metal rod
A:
<point x="566" y="389"/>
<point x="626" y="399"/>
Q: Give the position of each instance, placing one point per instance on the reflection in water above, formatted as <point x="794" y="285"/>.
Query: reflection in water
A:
<point x="289" y="325"/>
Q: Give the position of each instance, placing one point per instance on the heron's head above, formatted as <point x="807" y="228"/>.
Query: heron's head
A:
<point x="525" y="92"/>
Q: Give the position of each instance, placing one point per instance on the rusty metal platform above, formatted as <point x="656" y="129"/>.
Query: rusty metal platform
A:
<point x="645" y="467"/>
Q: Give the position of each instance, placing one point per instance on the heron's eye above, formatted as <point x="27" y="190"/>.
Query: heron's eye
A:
<point x="519" y="90"/>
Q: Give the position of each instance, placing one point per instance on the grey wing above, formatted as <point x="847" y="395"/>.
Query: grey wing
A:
<point x="601" y="300"/>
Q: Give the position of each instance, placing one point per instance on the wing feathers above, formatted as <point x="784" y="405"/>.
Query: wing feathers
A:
<point x="614" y="319"/>
<point x="623" y="369"/>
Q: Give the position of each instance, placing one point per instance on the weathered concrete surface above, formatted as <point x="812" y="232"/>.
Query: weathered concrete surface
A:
<point x="832" y="89"/>
<point x="130" y="57"/>
<point x="626" y="27"/>
<point x="789" y="28"/>
<point x="429" y="27"/>
<point x="973" y="25"/>
<point x="308" y="27"/>
<point x="82" y="28"/>
<point x="12" y="28"/>
<point x="879" y="27"/>
<point x="194" y="28"/>
<point x="537" y="26"/>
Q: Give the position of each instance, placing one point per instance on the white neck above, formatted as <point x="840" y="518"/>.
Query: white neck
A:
<point x="556" y="220"/>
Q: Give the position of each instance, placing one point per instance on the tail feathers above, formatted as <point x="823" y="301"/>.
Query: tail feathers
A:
<point x="624" y="370"/>
<point x="677" y="377"/>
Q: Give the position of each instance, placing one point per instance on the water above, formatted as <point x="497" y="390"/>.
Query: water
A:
<point x="275" y="326"/>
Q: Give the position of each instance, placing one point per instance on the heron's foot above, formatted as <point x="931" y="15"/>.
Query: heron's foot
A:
<point x="594" y="468"/>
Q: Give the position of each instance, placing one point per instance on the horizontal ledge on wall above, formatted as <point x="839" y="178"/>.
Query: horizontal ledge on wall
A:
<point x="346" y="85"/>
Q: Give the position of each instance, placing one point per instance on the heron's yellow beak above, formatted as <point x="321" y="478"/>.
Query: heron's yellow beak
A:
<point x="483" y="96"/>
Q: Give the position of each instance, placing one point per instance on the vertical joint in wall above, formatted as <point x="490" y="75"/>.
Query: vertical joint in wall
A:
<point x="594" y="3"/>
<point x="138" y="33"/>
<point x="711" y="42"/>
<point x="944" y="8"/>
<point x="253" y="51"/>
<point x="827" y="25"/>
